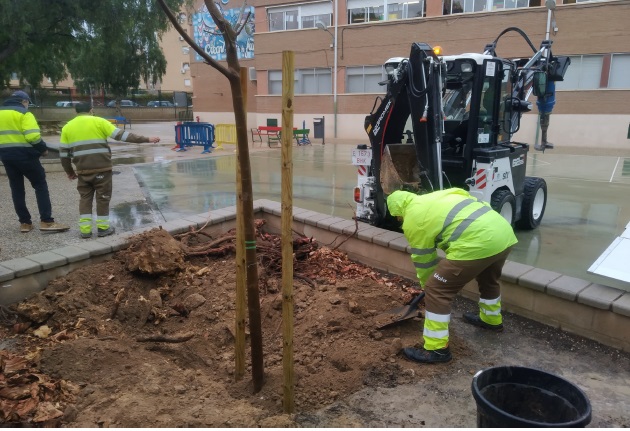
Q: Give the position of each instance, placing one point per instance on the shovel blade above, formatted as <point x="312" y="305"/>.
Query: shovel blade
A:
<point x="396" y="316"/>
<point x="399" y="314"/>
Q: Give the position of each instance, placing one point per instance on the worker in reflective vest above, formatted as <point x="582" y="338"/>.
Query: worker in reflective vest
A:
<point x="21" y="146"/>
<point x="84" y="143"/>
<point x="476" y="240"/>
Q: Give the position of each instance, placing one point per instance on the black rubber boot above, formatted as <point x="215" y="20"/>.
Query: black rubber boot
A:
<point x="105" y="232"/>
<point x="427" y="356"/>
<point x="474" y="319"/>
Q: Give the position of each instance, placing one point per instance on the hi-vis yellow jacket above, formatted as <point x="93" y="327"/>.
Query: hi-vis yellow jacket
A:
<point x="452" y="220"/>
<point x="20" y="138"/>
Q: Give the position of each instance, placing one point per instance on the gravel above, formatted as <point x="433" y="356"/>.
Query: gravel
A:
<point x="65" y="203"/>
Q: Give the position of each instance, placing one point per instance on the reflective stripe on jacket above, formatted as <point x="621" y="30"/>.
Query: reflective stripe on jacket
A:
<point x="452" y="220"/>
<point x="20" y="137"/>
<point x="84" y="141"/>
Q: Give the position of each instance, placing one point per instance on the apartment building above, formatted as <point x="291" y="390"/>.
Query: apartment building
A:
<point x="341" y="45"/>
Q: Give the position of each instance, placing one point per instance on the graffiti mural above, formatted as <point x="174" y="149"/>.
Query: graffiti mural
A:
<point x="207" y="34"/>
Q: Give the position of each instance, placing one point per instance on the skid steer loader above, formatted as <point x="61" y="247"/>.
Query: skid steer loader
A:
<point x="448" y="121"/>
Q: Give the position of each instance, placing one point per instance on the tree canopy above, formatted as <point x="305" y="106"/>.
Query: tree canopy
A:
<point x="110" y="44"/>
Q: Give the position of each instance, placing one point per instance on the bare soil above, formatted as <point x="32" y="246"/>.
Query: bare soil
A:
<point x="146" y="339"/>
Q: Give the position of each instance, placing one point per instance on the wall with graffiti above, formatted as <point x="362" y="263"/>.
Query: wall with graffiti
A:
<point x="207" y="34"/>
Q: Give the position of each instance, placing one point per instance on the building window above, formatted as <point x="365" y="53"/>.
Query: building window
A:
<point x="584" y="73"/>
<point x="365" y="14"/>
<point x="299" y="16"/>
<point x="187" y="82"/>
<point x="405" y="10"/>
<point x="365" y="79"/>
<point x="185" y="50"/>
<point x="307" y="81"/>
<point x="619" y="76"/>
<point x="467" y="6"/>
<point x="310" y="20"/>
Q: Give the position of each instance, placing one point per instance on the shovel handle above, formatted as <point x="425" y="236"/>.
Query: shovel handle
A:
<point x="416" y="300"/>
<point x="413" y="304"/>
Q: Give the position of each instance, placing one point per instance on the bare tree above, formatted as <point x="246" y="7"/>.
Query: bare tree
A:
<point x="232" y="73"/>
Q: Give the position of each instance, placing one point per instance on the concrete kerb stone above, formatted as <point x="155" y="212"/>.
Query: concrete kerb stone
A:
<point x="95" y="248"/>
<point x="538" y="279"/>
<point x="176" y="227"/>
<point x="302" y="217"/>
<point x="622" y="305"/>
<point x="512" y="271"/>
<point x="385" y="238"/>
<point x="328" y="222"/>
<point x="48" y="259"/>
<point x="341" y="225"/>
<point x="196" y="220"/>
<point x="599" y="296"/>
<point x="72" y="253"/>
<point x="567" y="287"/>
<point x="6" y="274"/>
<point x="22" y="266"/>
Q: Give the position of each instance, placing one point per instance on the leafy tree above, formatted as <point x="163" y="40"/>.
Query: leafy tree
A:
<point x="109" y="44"/>
<point x="36" y="37"/>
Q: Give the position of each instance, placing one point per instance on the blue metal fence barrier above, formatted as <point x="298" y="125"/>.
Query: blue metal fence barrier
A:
<point x="189" y="134"/>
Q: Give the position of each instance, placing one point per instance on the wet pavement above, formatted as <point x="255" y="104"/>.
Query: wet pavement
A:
<point x="587" y="208"/>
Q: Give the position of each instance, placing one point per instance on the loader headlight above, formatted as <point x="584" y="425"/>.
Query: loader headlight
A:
<point x="466" y="67"/>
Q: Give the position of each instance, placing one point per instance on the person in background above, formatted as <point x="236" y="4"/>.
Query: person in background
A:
<point x="476" y="240"/>
<point x="84" y="144"/>
<point x="21" y="146"/>
<point x="545" y="105"/>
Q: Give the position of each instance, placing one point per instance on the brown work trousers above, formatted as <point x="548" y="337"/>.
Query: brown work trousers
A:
<point x="450" y="276"/>
<point x="91" y="185"/>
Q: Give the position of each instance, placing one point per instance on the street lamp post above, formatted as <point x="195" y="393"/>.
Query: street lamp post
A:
<point x="320" y="25"/>
<point x="551" y="6"/>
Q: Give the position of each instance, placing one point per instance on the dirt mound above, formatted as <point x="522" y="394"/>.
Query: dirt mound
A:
<point x="158" y="350"/>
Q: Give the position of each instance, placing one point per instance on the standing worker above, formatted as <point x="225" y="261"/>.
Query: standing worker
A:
<point x="21" y="146"/>
<point x="477" y="241"/>
<point x="84" y="142"/>
<point x="545" y="105"/>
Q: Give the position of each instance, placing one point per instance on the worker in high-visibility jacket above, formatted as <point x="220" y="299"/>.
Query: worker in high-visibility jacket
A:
<point x="21" y="146"/>
<point x="84" y="143"/>
<point x="476" y="240"/>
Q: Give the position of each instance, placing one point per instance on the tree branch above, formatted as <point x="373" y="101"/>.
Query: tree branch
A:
<point x="211" y="61"/>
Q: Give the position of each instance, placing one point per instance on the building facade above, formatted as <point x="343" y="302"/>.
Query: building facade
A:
<point x="340" y="47"/>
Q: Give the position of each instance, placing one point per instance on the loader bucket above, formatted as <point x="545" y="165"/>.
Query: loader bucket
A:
<point x="399" y="169"/>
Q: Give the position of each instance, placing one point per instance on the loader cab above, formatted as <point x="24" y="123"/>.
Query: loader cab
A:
<point x="476" y="110"/>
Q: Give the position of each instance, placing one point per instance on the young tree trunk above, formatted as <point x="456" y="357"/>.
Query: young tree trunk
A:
<point x="232" y="73"/>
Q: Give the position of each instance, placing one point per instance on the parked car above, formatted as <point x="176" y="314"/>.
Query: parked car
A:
<point x="67" y="104"/>
<point x="112" y="104"/>
<point x="160" y="103"/>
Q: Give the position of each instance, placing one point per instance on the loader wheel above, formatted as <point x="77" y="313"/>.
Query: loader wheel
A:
<point x="504" y="203"/>
<point x="534" y="203"/>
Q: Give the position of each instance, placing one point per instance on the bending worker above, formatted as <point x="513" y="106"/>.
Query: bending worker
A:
<point x="476" y="240"/>
<point x="84" y="142"/>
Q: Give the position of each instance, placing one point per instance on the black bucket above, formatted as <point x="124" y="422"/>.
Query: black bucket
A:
<point x="525" y="397"/>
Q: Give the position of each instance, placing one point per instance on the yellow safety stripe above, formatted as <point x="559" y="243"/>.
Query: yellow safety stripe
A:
<point x="490" y="311"/>
<point x="435" y="331"/>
